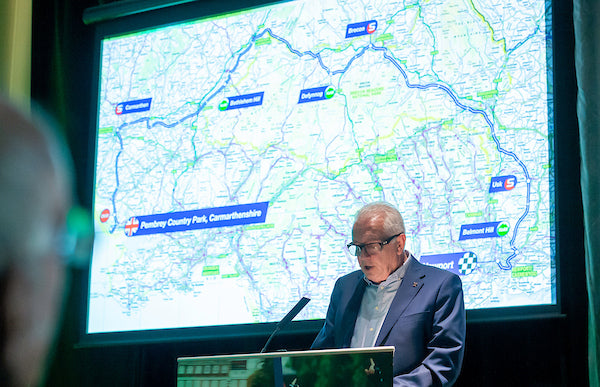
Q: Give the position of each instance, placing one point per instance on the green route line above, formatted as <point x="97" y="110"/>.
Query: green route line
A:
<point x="501" y="41"/>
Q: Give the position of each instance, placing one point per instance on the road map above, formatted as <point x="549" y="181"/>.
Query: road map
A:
<point x="233" y="153"/>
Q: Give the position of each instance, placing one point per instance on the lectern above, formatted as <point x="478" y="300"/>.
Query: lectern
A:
<point x="326" y="368"/>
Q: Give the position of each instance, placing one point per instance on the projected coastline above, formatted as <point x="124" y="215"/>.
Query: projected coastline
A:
<point x="233" y="152"/>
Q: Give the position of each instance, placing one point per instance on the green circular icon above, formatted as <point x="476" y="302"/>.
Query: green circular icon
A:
<point x="329" y="92"/>
<point x="224" y="104"/>
<point x="502" y="229"/>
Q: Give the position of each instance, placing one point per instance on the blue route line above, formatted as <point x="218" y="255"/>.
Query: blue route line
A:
<point x="118" y="134"/>
<point x="448" y="92"/>
<point x="456" y="101"/>
<point x="481" y="112"/>
<point x="358" y="54"/>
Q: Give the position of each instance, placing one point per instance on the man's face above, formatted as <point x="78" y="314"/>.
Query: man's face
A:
<point x="378" y="266"/>
<point x="35" y="190"/>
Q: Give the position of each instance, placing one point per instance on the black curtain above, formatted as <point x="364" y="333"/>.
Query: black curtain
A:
<point x="586" y="13"/>
<point x="61" y="62"/>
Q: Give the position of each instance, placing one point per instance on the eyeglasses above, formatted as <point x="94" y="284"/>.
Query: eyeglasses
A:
<point x="74" y="243"/>
<point x="369" y="248"/>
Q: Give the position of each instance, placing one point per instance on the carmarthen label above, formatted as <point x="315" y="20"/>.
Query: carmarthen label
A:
<point x="139" y="105"/>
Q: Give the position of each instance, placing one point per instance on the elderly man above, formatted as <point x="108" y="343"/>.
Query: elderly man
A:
<point x="35" y="195"/>
<point x="396" y="300"/>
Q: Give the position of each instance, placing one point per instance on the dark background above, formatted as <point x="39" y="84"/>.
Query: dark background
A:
<point x="529" y="351"/>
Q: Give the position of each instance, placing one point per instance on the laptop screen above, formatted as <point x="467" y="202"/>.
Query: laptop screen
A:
<point x="336" y="367"/>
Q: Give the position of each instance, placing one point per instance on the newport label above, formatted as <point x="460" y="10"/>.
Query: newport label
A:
<point x="362" y="28"/>
<point x="483" y="230"/>
<point x="242" y="101"/>
<point x="139" y="105"/>
<point x="503" y="183"/>
<point x="316" y="94"/>
<point x="197" y="219"/>
<point x="462" y="263"/>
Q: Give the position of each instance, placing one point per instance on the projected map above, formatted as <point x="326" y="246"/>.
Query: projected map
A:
<point x="233" y="153"/>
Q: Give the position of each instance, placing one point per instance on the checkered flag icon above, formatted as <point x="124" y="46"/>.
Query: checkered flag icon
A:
<point x="467" y="263"/>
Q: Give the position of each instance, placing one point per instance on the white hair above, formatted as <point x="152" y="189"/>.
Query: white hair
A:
<point x="392" y="219"/>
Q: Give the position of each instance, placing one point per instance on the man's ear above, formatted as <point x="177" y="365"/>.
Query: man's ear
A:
<point x="401" y="243"/>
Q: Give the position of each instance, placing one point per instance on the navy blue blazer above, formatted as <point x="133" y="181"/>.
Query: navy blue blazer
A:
<point x="426" y="324"/>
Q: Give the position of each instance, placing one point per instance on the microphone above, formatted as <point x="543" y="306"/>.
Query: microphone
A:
<point x="286" y="320"/>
